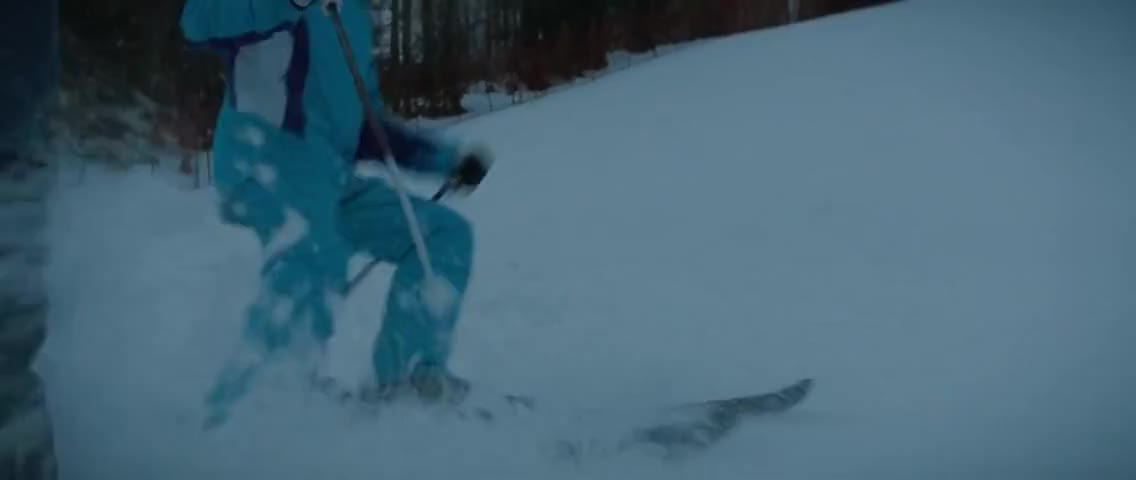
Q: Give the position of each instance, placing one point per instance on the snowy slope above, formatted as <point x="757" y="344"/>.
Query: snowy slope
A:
<point x="928" y="207"/>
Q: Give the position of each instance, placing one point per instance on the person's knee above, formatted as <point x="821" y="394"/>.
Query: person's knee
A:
<point x="250" y="206"/>
<point x="451" y="231"/>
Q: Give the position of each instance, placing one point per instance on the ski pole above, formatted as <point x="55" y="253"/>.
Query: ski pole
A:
<point x="372" y="114"/>
<point x="446" y="187"/>
<point x="362" y="275"/>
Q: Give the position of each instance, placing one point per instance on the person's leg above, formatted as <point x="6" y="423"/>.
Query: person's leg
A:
<point x="412" y="340"/>
<point x="296" y="278"/>
<point x="289" y="200"/>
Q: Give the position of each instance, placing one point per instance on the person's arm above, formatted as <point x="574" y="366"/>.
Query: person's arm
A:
<point x="412" y="150"/>
<point x="416" y="151"/>
<point x="227" y="24"/>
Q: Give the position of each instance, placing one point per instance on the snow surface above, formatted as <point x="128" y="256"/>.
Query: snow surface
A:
<point x="927" y="207"/>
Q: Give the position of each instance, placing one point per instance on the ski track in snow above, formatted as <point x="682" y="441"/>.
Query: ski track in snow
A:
<point x="927" y="207"/>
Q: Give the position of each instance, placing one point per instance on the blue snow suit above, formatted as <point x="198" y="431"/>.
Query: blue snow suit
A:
<point x="284" y="146"/>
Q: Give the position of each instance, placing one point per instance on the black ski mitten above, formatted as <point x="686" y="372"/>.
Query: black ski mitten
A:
<point x="472" y="167"/>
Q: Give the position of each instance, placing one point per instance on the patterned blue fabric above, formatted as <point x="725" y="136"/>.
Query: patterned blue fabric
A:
<point x="286" y="139"/>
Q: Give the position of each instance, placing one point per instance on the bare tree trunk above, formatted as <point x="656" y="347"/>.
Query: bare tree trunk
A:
<point x="406" y="76"/>
<point x="429" y="56"/>
<point x="395" y="69"/>
<point x="452" y="40"/>
<point x="396" y="23"/>
<point x="491" y="27"/>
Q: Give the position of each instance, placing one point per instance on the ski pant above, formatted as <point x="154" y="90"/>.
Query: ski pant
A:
<point x="310" y="217"/>
<point x="27" y="80"/>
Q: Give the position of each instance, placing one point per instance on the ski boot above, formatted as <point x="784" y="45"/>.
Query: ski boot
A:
<point x="426" y="384"/>
<point x="438" y="385"/>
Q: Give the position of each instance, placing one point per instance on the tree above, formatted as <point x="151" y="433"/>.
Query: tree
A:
<point x="432" y="49"/>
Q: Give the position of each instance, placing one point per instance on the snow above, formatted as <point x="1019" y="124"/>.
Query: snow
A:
<point x="439" y="296"/>
<point x="294" y="229"/>
<point x="266" y="175"/>
<point x="483" y="98"/>
<point x="927" y="207"/>
<point x="253" y="136"/>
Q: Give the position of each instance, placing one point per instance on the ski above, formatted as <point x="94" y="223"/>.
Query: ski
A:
<point x="469" y="402"/>
<point x="678" y="430"/>
<point x="685" y="429"/>
<point x="698" y="426"/>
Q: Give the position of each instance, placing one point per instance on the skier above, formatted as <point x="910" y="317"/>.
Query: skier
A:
<point x="289" y="130"/>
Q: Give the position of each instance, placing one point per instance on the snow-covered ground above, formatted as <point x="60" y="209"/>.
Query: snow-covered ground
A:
<point x="482" y="99"/>
<point x="927" y="207"/>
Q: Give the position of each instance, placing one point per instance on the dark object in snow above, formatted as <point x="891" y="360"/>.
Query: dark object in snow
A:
<point x="679" y="430"/>
<point x="690" y="428"/>
<point x="703" y="424"/>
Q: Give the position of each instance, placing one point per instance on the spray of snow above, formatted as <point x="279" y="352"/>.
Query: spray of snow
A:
<point x="438" y="296"/>
<point x="253" y="136"/>
<point x="295" y="229"/>
<point x="266" y="175"/>
<point x="347" y="358"/>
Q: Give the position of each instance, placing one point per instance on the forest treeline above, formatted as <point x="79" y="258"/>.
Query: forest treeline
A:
<point x="432" y="50"/>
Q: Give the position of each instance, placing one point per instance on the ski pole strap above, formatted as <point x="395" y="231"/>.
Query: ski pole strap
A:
<point x="446" y="187"/>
